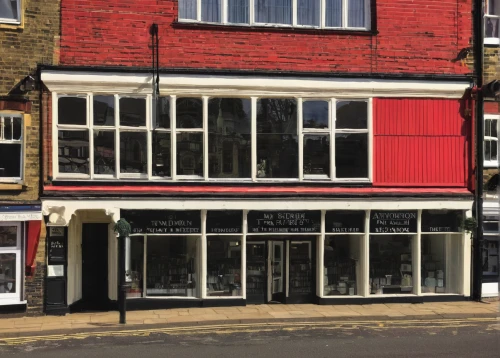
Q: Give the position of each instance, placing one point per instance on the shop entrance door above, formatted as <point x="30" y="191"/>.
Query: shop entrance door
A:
<point x="95" y="267"/>
<point x="276" y="273"/>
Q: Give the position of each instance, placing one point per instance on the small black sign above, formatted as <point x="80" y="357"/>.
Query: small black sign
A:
<point x="224" y="222"/>
<point x="163" y="221"/>
<point x="442" y="220"/>
<point x="284" y="221"/>
<point x="57" y="250"/>
<point x="346" y="221"/>
<point x="393" y="222"/>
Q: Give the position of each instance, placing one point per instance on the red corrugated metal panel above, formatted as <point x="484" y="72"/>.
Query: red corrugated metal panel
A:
<point x="419" y="142"/>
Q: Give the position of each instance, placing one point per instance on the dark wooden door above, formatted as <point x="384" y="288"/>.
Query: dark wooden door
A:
<point x="95" y="267"/>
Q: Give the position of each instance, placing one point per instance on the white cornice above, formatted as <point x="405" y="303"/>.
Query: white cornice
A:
<point x="84" y="82"/>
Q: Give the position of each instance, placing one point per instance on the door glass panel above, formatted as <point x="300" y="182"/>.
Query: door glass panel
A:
<point x="7" y="273"/>
<point x="277" y="267"/>
<point x="301" y="278"/>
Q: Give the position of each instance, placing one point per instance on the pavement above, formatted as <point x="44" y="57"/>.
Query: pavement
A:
<point x="275" y="313"/>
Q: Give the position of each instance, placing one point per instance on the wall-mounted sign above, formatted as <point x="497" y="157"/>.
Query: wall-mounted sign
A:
<point x="56" y="231"/>
<point x="20" y="216"/>
<point x="442" y="220"/>
<point x="393" y="222"/>
<point x="284" y="221"/>
<point x="345" y="221"/>
<point x="55" y="270"/>
<point x="57" y="250"/>
<point x="163" y="221"/>
<point x="224" y="222"/>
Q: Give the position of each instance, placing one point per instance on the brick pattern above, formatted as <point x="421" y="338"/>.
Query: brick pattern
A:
<point x="22" y="49"/>
<point x="419" y="36"/>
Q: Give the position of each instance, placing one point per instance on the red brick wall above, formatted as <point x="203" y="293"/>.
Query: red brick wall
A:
<point x="415" y="36"/>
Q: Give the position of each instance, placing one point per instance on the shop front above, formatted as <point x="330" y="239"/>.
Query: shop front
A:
<point x="237" y="252"/>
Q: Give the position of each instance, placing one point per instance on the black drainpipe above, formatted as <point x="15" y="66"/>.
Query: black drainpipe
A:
<point x="477" y="260"/>
<point x="156" y="83"/>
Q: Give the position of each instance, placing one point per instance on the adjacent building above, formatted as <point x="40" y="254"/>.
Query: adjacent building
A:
<point x="28" y="36"/>
<point x="262" y="151"/>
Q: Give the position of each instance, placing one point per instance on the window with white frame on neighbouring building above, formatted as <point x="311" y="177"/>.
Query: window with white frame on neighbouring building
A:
<point x="11" y="147"/>
<point x="490" y="145"/>
<point x="10" y="11"/>
<point x="340" y="14"/>
<point x="10" y="262"/>
<point x="492" y="22"/>
<point x="212" y="138"/>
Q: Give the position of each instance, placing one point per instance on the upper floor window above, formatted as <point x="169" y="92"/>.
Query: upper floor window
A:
<point x="334" y="14"/>
<point x="492" y="22"/>
<point x="10" y="11"/>
<point x="11" y="147"/>
<point x="491" y="151"/>
<point x="212" y="138"/>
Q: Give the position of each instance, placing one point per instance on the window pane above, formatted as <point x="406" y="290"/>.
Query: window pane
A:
<point x="315" y="114"/>
<point x="300" y="269"/>
<point x="491" y="257"/>
<point x="104" y="110"/>
<point x="229" y="139"/>
<point x="8" y="274"/>
<point x="10" y="160"/>
<point x="8" y="9"/>
<point x="190" y="154"/>
<point x="494" y="150"/>
<point x="134" y="273"/>
<point x="351" y="155"/>
<point x="342" y="262"/>
<point x="317" y="155"/>
<point x="391" y="264"/>
<point x="352" y="115"/>
<point x="7" y="128"/>
<point x="334" y="13"/>
<point x="224" y="266"/>
<point x="494" y="132"/>
<point x="277" y="116"/>
<point x="104" y="152"/>
<point x="187" y="9"/>
<point x="133" y="112"/>
<point x="273" y="11"/>
<point x="487" y="127"/>
<point x="277" y="156"/>
<point x="163" y="116"/>
<point x="133" y="152"/>
<point x="487" y="149"/>
<point x="72" y="110"/>
<point x="237" y="11"/>
<point x="210" y="10"/>
<point x="491" y="27"/>
<point x="73" y="152"/>
<point x="308" y="12"/>
<point x="161" y="154"/>
<point x="172" y="268"/>
<point x="17" y="128"/>
<point x="8" y="236"/>
<point x="440" y="263"/>
<point x="356" y="13"/>
<point x="189" y="113"/>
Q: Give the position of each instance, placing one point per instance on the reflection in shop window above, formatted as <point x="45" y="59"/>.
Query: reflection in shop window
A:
<point x="72" y="110"/>
<point x="391" y="264"/>
<point x="8" y="273"/>
<point x="132" y="112"/>
<point x="342" y="265"/>
<point x="104" y="110"/>
<point x="104" y="152"/>
<point x="133" y="152"/>
<point x="73" y="149"/>
<point x="440" y="263"/>
<point x="172" y="267"/>
<point x="135" y="267"/>
<point x="317" y="155"/>
<point x="224" y="266"/>
<point x="277" y="146"/>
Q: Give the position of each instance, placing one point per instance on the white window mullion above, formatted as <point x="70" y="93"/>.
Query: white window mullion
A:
<point x="294" y="12"/>
<point x="55" y="135"/>
<point x="368" y="18"/>
<point x="224" y="11"/>
<point x="322" y="23"/>
<point x="254" y="137"/>
<point x="173" y="138"/>
<point x="370" y="139"/>
<point x="198" y="10"/>
<point x="251" y="12"/>
<point x="333" y="119"/>
<point x="301" y="139"/>
<point x="90" y="128"/>
<point x="149" y="135"/>
<point x="117" y="136"/>
<point x="345" y="4"/>
<point x="205" y="137"/>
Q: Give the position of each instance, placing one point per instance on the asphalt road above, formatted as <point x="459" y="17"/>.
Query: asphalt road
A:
<point x="444" y="338"/>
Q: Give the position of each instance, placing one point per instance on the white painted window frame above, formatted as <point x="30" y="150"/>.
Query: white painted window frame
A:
<point x="251" y="16"/>
<point x="16" y="21"/>
<point x="12" y="298"/>
<point x="490" y="15"/>
<point x="20" y="141"/>
<point x="492" y="163"/>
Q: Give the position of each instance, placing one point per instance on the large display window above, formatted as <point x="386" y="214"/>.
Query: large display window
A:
<point x="10" y="261"/>
<point x="224" y="266"/>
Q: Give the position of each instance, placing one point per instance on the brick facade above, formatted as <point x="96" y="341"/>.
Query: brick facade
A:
<point x="23" y="48"/>
<point x="421" y="36"/>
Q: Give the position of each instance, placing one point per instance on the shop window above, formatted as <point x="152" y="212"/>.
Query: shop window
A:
<point x="172" y="266"/>
<point x="10" y="11"/>
<point x="391" y="264"/>
<point x="134" y="266"/>
<point x="300" y="269"/>
<point x="491" y="248"/>
<point x="10" y="261"/>
<point x="340" y="14"/>
<point x="229" y="138"/>
<point x="224" y="266"/>
<point x="11" y="147"/>
<point x="277" y="145"/>
<point x="492" y="22"/>
<point x="440" y="263"/>
<point x="490" y="145"/>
